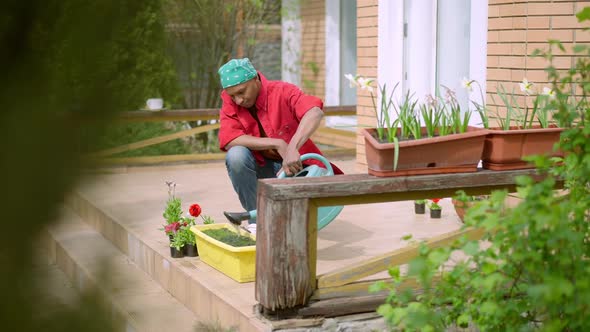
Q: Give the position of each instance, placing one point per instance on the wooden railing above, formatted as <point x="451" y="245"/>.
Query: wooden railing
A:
<point x="286" y="245"/>
<point x="345" y="141"/>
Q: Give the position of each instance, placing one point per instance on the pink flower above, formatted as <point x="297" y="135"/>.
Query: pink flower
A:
<point x="172" y="228"/>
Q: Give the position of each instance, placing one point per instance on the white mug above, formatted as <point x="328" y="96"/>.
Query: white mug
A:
<point x="155" y="103"/>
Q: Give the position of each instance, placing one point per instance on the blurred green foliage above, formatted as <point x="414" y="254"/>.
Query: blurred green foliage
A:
<point x="68" y="66"/>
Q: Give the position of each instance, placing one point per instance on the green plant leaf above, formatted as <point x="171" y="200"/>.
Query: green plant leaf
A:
<point x="583" y="15"/>
<point x="407" y="237"/>
<point x="395" y="153"/>
<point x="471" y="248"/>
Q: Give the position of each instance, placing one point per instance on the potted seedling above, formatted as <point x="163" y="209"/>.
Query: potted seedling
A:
<point x="435" y="208"/>
<point x="177" y="244"/>
<point x="420" y="206"/>
<point x="227" y="248"/>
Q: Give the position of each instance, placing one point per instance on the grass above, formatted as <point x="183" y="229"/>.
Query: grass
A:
<point x="228" y="237"/>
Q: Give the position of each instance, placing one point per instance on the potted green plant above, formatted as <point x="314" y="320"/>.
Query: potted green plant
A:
<point x="172" y="211"/>
<point x="401" y="145"/>
<point x="420" y="206"/>
<point x="177" y="227"/>
<point x="177" y="244"/>
<point x="435" y="208"/>
<point x="520" y="131"/>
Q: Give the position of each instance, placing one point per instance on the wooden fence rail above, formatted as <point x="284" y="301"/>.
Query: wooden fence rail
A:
<point x="345" y="141"/>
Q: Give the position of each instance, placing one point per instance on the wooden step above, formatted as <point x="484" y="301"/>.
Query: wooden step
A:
<point x="142" y="304"/>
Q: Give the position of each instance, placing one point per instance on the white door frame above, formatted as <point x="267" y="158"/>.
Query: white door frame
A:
<point x="391" y="46"/>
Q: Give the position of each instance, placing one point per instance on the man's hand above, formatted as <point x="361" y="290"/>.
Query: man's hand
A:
<point x="292" y="161"/>
<point x="309" y="123"/>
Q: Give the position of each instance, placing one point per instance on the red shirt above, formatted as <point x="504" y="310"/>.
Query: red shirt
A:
<point x="280" y="107"/>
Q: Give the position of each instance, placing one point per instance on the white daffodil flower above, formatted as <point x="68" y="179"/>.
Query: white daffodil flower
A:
<point x="526" y="87"/>
<point x="466" y="83"/>
<point x="549" y="92"/>
<point x="365" y="84"/>
<point x="352" y="80"/>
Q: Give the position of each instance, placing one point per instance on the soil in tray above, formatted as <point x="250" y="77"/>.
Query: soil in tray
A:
<point x="228" y="237"/>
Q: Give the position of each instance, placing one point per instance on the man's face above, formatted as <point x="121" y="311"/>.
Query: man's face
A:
<point x="245" y="94"/>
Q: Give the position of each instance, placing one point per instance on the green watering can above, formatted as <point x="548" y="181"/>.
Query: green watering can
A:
<point x="325" y="214"/>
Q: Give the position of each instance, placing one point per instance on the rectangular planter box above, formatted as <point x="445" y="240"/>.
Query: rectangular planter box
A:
<point x="456" y="153"/>
<point x="238" y="263"/>
<point x="504" y="149"/>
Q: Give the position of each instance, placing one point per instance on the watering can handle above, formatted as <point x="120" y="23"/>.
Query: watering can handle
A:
<point x="316" y="157"/>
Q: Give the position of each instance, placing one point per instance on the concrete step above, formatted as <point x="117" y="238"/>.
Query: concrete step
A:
<point x="55" y="292"/>
<point x="215" y="298"/>
<point x="91" y="261"/>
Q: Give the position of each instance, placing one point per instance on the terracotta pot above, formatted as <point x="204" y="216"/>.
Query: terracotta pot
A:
<point x="461" y="207"/>
<point x="419" y="208"/>
<point x="504" y="149"/>
<point x="456" y="153"/>
<point x="435" y="214"/>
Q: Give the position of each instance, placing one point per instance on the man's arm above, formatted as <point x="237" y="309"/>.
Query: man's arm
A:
<point x="307" y="126"/>
<point x="259" y="143"/>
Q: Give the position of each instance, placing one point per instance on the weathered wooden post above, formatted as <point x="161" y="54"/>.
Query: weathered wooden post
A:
<point x="286" y="244"/>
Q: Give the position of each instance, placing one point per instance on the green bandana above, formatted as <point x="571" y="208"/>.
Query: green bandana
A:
<point x="236" y="71"/>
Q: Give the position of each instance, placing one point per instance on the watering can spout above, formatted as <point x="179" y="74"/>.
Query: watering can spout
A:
<point x="238" y="217"/>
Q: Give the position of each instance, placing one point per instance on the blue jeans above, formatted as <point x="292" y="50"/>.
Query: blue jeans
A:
<point x="244" y="174"/>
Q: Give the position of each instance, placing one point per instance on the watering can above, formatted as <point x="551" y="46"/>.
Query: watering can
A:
<point x="325" y="214"/>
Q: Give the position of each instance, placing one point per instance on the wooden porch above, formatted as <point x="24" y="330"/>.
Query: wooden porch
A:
<point x="125" y="205"/>
<point x="326" y="269"/>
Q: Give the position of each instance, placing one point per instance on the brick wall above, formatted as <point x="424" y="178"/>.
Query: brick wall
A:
<point x="516" y="29"/>
<point x="313" y="49"/>
<point x="367" y="19"/>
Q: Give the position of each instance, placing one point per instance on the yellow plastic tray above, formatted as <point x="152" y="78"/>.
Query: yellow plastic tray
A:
<point x="238" y="263"/>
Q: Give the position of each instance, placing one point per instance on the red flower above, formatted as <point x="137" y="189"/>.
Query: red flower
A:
<point x="435" y="200"/>
<point x="195" y="210"/>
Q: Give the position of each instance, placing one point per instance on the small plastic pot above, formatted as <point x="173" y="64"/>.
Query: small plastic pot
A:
<point x="419" y="208"/>
<point x="174" y="253"/>
<point x="190" y="250"/>
<point x="436" y="214"/>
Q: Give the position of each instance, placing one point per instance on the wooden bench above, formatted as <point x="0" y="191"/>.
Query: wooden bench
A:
<point x="286" y="245"/>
